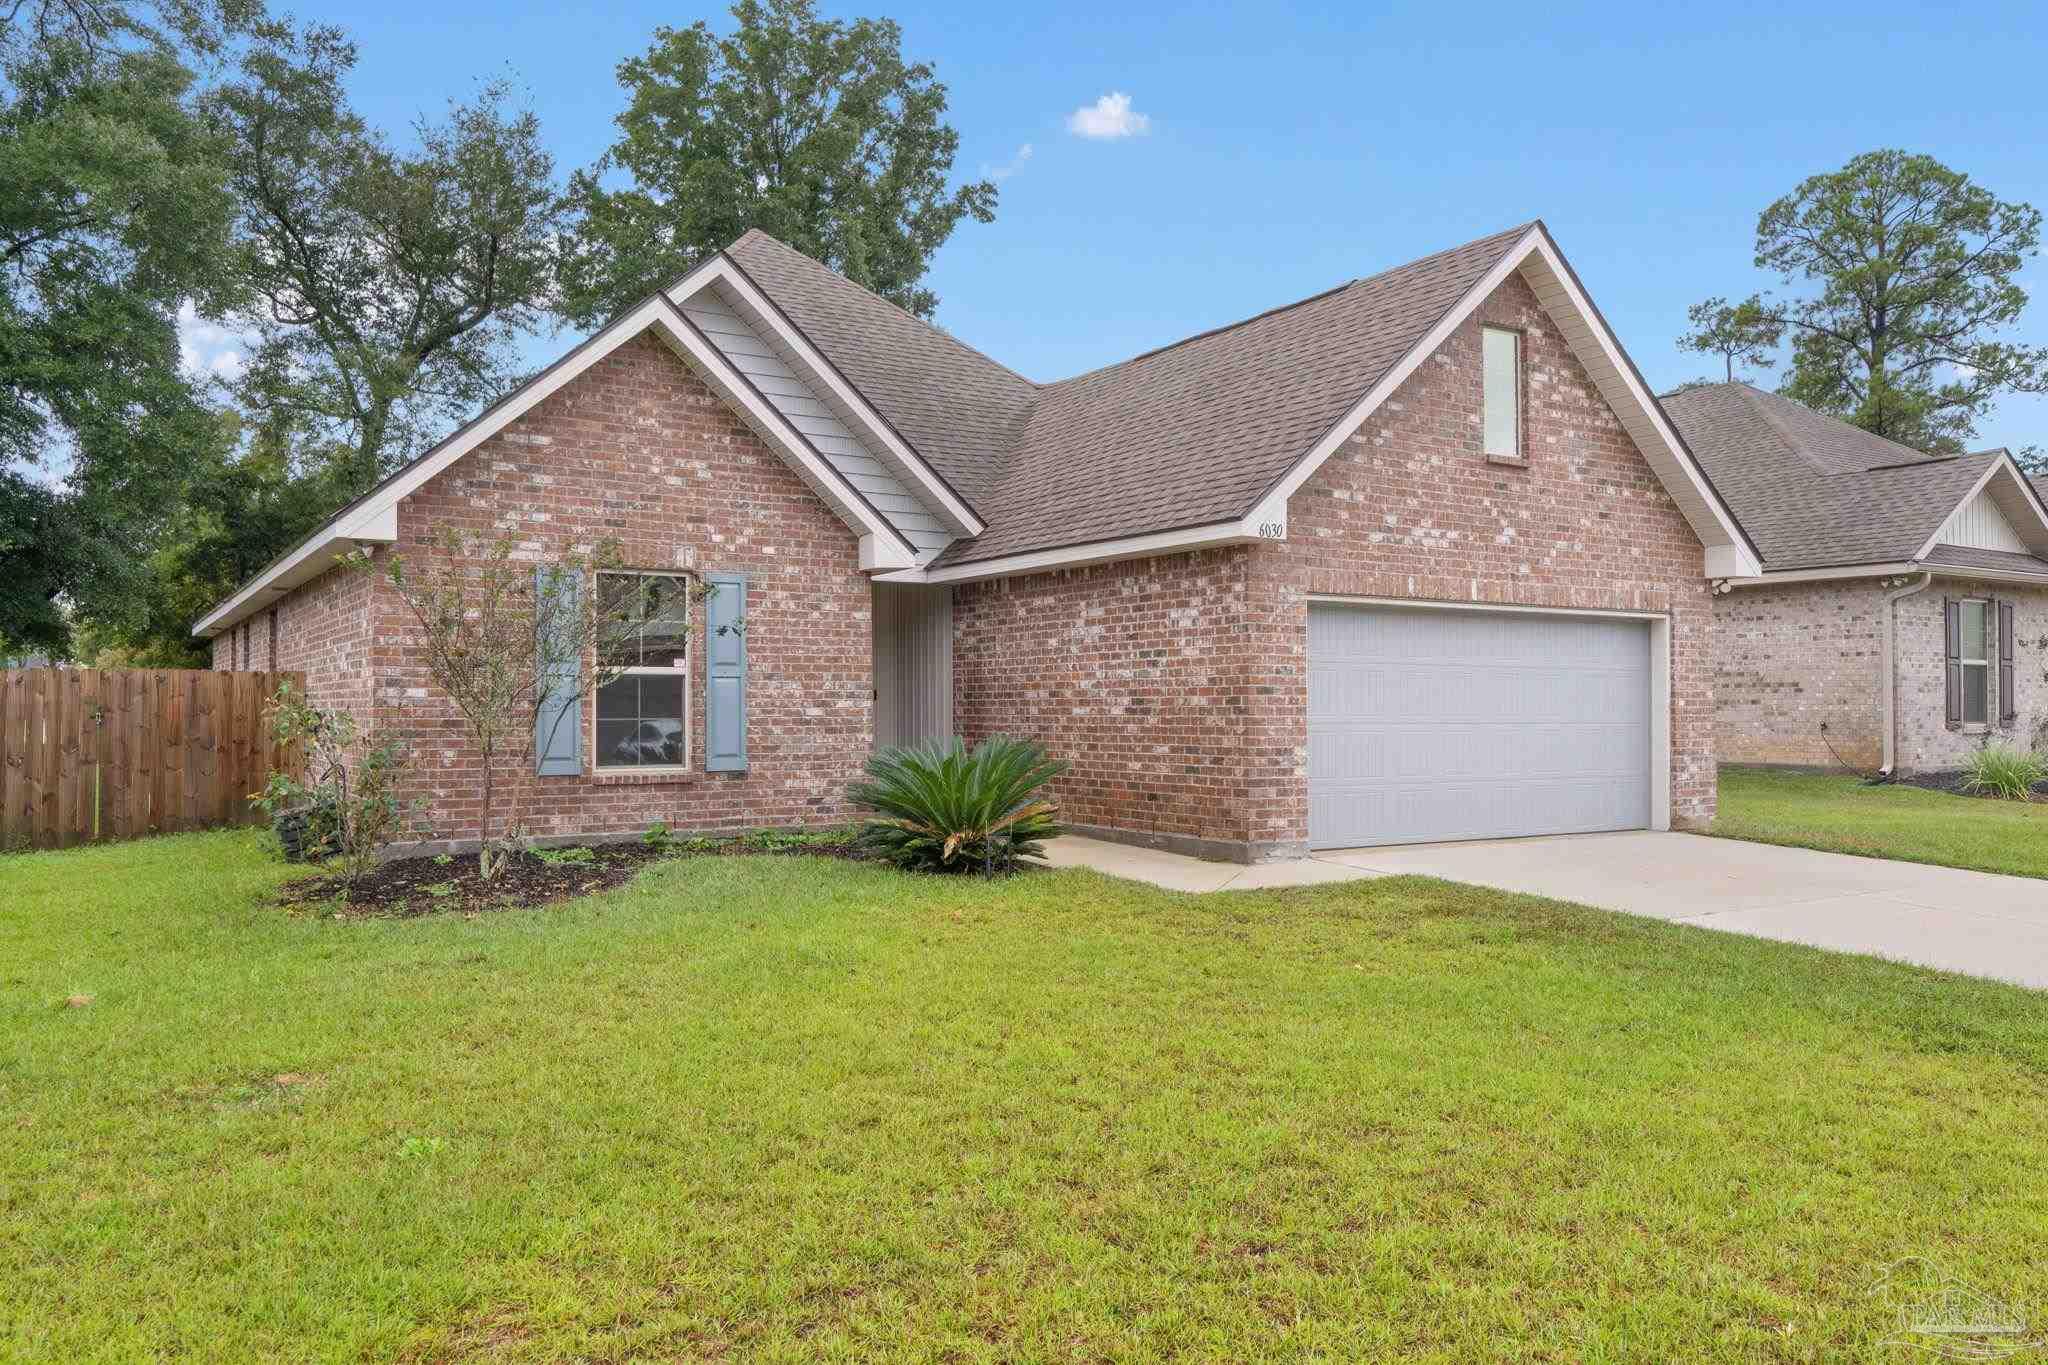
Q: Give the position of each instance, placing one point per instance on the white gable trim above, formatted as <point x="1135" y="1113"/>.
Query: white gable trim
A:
<point x="1728" y="551"/>
<point x="1093" y="552"/>
<point x="2015" y="498"/>
<point x="762" y="313"/>
<point x="373" y="519"/>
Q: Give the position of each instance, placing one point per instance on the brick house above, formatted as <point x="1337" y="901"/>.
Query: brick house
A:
<point x="1416" y="558"/>
<point x="1901" y="617"/>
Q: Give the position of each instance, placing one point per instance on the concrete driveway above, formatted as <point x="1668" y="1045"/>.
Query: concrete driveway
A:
<point x="1974" y="922"/>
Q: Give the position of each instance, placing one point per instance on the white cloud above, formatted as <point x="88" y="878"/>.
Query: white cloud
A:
<point x="1009" y="168"/>
<point x="207" y="349"/>
<point x="1110" y="116"/>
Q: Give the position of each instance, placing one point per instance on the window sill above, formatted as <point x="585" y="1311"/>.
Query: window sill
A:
<point x="1511" y="461"/>
<point x="640" y="777"/>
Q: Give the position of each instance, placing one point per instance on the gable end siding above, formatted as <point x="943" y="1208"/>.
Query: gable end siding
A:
<point x="1979" y="525"/>
<point x="753" y="356"/>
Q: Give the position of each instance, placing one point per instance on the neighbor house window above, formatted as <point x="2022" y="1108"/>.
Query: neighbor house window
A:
<point x="1502" y="354"/>
<point x="1976" y="661"/>
<point x="643" y="714"/>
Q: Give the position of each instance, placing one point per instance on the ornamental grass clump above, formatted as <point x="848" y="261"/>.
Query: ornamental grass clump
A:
<point x="941" y="808"/>
<point x="2003" y="771"/>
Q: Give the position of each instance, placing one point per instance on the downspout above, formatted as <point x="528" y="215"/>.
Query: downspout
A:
<point x="1891" y="674"/>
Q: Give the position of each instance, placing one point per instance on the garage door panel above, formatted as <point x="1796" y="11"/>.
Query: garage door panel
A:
<point x="1463" y="724"/>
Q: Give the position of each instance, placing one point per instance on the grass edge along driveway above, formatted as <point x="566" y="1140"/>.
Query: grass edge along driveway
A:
<point x="1841" y="813"/>
<point x="801" y="1109"/>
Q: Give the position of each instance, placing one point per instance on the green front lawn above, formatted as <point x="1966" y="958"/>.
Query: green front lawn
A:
<point x="1845" y="815"/>
<point x="802" y="1109"/>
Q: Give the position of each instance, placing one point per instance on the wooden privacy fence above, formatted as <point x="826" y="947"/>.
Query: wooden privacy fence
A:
<point x="92" y="754"/>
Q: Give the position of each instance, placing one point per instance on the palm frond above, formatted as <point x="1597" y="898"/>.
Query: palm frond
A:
<point x="944" y="808"/>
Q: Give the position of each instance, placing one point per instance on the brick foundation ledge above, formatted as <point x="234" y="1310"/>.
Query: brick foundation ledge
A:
<point x="1194" y="846"/>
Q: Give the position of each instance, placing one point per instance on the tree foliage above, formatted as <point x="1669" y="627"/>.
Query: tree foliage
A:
<point x="815" y="131"/>
<point x="1908" y="278"/>
<point x="389" y="284"/>
<point x="114" y="209"/>
<point x="1742" y="333"/>
<point x="240" y="508"/>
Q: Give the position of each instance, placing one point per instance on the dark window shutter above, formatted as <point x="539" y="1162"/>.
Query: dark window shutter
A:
<point x="2008" y="700"/>
<point x="725" y="673"/>
<point x="1952" y="632"/>
<point x="558" y="720"/>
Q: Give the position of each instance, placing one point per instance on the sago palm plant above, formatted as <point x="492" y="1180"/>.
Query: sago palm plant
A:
<point x="941" y="808"/>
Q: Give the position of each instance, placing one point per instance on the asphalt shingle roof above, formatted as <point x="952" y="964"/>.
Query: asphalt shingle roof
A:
<point x="1187" y="435"/>
<point x="1813" y="491"/>
<point x="958" y="409"/>
<point x="1965" y="557"/>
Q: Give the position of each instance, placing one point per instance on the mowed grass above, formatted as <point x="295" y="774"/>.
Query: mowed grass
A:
<point x="796" y="1109"/>
<point x="1844" y="814"/>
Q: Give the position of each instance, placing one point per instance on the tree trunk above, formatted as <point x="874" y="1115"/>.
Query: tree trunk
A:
<point x="484" y="870"/>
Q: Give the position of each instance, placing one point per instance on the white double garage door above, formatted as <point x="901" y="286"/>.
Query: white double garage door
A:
<point x="1429" y="724"/>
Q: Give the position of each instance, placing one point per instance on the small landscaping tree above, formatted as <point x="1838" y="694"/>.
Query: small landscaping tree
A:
<point x="347" y="806"/>
<point x="516" y="647"/>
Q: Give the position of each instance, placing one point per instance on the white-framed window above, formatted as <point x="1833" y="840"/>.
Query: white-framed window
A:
<point x="1975" y="657"/>
<point x="643" y="714"/>
<point x="1501" y="357"/>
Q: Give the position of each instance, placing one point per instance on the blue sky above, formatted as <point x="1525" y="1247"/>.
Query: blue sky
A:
<point x="1289" y="149"/>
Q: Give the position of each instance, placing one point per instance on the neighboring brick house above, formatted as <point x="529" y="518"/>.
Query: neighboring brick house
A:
<point x="1416" y="558"/>
<point x="1901" y="618"/>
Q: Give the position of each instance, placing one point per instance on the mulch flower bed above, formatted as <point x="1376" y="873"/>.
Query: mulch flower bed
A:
<point x="1952" y="783"/>
<point x="433" y="884"/>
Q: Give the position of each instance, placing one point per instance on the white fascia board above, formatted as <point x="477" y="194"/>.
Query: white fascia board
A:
<point x="1095" y="552"/>
<point x="375" y="518"/>
<point x="904" y="462"/>
<point x="1825" y="575"/>
<point x="2014" y="496"/>
<point x="1897" y="569"/>
<point x="1728" y="552"/>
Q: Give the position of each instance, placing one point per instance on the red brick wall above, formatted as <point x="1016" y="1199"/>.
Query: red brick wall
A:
<point x="1131" y="672"/>
<point x="1411" y="507"/>
<point x="636" y="450"/>
<point x="250" y="644"/>
<point x="1179" y="685"/>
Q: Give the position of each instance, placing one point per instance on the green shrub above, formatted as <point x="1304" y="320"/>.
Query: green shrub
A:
<point x="943" y="809"/>
<point x="573" y="855"/>
<point x="2005" y="772"/>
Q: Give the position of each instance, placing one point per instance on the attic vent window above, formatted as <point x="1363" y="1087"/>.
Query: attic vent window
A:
<point x="1501" y="352"/>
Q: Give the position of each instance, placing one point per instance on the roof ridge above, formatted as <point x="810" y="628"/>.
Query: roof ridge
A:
<point x="1920" y="463"/>
<point x="1749" y="393"/>
<point x="1516" y="232"/>
<point x="1204" y="335"/>
<point x="926" y="323"/>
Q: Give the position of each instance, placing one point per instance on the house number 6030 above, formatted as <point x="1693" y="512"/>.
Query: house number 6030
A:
<point x="1272" y="530"/>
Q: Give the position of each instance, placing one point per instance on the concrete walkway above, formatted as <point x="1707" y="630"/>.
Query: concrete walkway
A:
<point x="1179" y="872"/>
<point x="1972" y="922"/>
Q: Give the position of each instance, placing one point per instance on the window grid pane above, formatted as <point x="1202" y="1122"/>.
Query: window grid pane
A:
<point x="1976" y="693"/>
<point x="1503" y="366"/>
<point x="1975" y="632"/>
<point x="642" y="716"/>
